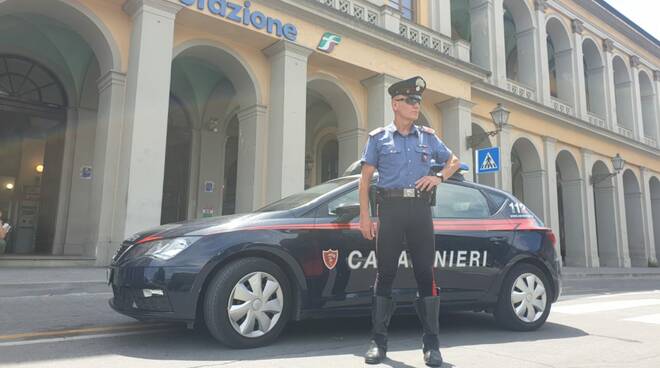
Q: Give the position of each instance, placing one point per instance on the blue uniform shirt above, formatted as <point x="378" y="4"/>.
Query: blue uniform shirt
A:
<point x="402" y="160"/>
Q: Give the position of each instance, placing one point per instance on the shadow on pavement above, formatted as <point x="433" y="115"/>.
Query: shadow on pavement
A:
<point x="326" y="338"/>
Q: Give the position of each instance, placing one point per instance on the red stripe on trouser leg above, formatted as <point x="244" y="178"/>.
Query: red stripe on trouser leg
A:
<point x="435" y="289"/>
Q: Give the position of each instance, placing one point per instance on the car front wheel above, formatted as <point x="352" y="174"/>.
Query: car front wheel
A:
<point x="524" y="302"/>
<point x="247" y="303"/>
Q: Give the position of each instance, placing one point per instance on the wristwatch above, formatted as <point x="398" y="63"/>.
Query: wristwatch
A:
<point x="441" y="176"/>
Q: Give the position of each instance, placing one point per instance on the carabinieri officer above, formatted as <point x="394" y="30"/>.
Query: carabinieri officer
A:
<point x="403" y="154"/>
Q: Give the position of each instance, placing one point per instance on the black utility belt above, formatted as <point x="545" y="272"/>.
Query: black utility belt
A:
<point x="411" y="193"/>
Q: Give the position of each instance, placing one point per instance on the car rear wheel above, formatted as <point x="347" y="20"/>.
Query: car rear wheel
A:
<point x="247" y="303"/>
<point x="524" y="302"/>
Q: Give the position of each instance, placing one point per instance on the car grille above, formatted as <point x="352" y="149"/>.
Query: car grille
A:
<point x="130" y="298"/>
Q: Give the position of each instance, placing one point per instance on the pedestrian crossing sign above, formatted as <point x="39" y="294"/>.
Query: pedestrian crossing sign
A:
<point x="488" y="160"/>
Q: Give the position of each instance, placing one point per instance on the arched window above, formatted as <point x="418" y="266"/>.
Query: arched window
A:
<point x="510" y="45"/>
<point x="25" y="80"/>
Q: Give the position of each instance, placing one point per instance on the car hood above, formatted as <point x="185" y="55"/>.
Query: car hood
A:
<point x="210" y="225"/>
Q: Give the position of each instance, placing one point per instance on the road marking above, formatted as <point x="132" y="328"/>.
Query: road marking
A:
<point x="604" y="306"/>
<point x="609" y="295"/>
<point x="78" y="331"/>
<point x="651" y="318"/>
<point x="84" y="337"/>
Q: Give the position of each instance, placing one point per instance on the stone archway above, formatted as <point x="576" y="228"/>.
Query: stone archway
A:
<point x="527" y="175"/>
<point x="604" y="209"/>
<point x="85" y="59"/>
<point x="218" y="88"/>
<point x="654" y="187"/>
<point x="594" y="78"/>
<point x="571" y="225"/>
<point x="623" y="97"/>
<point x="330" y="105"/>
<point x="519" y="43"/>
<point x="634" y="218"/>
<point x="649" y="113"/>
<point x="560" y="62"/>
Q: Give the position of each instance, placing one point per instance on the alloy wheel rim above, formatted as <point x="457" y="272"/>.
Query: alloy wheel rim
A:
<point x="528" y="298"/>
<point x="255" y="304"/>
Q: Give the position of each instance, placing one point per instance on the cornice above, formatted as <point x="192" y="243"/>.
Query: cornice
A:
<point x="566" y="120"/>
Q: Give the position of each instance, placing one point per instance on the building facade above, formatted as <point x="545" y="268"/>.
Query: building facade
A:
<point x="116" y="115"/>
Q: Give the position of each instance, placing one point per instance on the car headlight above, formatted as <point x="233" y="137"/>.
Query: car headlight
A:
<point x="162" y="248"/>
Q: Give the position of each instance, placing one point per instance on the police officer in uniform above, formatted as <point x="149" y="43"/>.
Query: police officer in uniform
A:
<point x="403" y="154"/>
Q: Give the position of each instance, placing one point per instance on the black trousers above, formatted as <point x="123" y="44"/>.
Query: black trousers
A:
<point x="409" y="219"/>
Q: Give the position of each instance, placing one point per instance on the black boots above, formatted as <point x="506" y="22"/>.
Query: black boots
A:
<point x="382" y="311"/>
<point x="428" y="310"/>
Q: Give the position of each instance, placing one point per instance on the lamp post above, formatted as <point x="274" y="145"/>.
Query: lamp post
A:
<point x="500" y="116"/>
<point x="617" y="163"/>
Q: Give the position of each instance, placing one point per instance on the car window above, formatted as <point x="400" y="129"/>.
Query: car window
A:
<point x="497" y="200"/>
<point x="302" y="198"/>
<point x="457" y="201"/>
<point x="352" y="197"/>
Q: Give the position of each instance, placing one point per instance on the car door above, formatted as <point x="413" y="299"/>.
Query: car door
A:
<point x="469" y="242"/>
<point x="348" y="258"/>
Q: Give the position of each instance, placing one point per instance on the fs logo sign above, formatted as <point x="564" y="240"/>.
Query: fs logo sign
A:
<point x="328" y="42"/>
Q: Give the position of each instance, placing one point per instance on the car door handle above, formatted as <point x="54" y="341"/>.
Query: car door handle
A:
<point x="498" y="239"/>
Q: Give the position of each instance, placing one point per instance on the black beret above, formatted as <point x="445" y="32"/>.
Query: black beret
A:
<point x="408" y="87"/>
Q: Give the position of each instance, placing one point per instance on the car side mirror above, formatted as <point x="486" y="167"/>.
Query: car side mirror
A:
<point x="347" y="211"/>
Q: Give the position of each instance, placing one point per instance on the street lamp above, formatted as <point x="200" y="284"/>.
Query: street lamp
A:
<point x="617" y="163"/>
<point x="500" y="116"/>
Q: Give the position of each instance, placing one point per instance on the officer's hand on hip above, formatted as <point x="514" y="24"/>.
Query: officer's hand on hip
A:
<point x="427" y="182"/>
<point x="367" y="227"/>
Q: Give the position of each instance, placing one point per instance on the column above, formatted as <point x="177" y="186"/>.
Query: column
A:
<point x="252" y="143"/>
<point x="647" y="215"/>
<point x="286" y="128"/>
<point x="543" y="72"/>
<point x="350" y="144"/>
<point x="147" y="103"/>
<point x="638" y="122"/>
<point x="64" y="196"/>
<point x="503" y="177"/>
<point x="456" y="126"/>
<point x="379" y="102"/>
<point x="487" y="29"/>
<point x="621" y="224"/>
<point x="589" y="210"/>
<point x="440" y="11"/>
<point x="580" y="90"/>
<point x="551" y="215"/>
<point x="390" y="18"/>
<point x="105" y="165"/>
<point x="610" y="97"/>
<point x="656" y="81"/>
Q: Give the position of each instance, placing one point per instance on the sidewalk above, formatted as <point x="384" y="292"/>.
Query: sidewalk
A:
<point x="609" y="272"/>
<point x="51" y="275"/>
<point x="73" y="275"/>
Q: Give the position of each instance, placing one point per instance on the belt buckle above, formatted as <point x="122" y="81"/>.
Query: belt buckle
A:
<point x="409" y="192"/>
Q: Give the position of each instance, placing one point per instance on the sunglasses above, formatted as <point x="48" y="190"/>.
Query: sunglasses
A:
<point x="410" y="100"/>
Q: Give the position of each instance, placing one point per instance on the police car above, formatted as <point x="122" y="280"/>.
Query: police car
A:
<point x="244" y="276"/>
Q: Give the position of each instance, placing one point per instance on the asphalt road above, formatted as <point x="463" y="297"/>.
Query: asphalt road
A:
<point x="597" y="323"/>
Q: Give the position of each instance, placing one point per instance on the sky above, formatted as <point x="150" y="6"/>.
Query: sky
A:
<point x="645" y="13"/>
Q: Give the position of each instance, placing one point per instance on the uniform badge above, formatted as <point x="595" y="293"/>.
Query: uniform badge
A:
<point x="425" y="157"/>
<point x="330" y="257"/>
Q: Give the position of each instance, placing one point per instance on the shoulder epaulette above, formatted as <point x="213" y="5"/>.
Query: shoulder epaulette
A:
<point x="426" y="129"/>
<point x="376" y="131"/>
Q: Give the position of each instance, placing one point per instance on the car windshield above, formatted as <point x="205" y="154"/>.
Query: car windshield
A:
<point x="302" y="198"/>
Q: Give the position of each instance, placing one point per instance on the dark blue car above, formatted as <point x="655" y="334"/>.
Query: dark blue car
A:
<point x="244" y="276"/>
